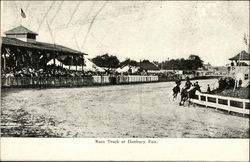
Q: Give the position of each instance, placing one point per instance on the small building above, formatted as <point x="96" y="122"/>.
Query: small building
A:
<point x="148" y="67"/>
<point x="241" y="59"/>
<point x="207" y="66"/>
<point x="240" y="68"/>
<point x="22" y="33"/>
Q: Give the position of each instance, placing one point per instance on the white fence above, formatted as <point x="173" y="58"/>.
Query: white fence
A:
<point x="137" y="79"/>
<point x="45" y="81"/>
<point x="229" y="104"/>
<point x="101" y="79"/>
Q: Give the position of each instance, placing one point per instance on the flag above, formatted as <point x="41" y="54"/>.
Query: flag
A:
<point x="23" y="14"/>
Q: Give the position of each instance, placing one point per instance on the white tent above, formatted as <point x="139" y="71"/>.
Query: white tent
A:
<point x="57" y="62"/>
<point x="126" y="68"/>
<point x="90" y="66"/>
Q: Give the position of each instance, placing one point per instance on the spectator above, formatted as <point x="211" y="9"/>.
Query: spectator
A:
<point x="208" y="89"/>
<point x="240" y="83"/>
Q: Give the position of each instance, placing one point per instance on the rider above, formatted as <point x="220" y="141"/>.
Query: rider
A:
<point x="197" y="86"/>
<point x="176" y="89"/>
<point x="188" y="84"/>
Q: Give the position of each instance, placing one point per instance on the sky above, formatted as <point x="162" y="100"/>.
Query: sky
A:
<point x="153" y="30"/>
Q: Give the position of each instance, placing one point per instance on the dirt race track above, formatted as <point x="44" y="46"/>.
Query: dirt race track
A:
<point x="141" y="110"/>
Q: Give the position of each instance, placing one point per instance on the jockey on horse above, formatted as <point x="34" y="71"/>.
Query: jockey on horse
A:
<point x="188" y="91"/>
<point x="176" y="89"/>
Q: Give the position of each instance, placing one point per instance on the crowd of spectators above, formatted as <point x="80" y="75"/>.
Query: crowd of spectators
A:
<point x="226" y="83"/>
<point x="48" y="71"/>
<point x="58" y="71"/>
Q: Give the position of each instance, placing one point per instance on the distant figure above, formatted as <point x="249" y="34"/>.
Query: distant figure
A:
<point x="208" y="89"/>
<point x="232" y="63"/>
<point x="240" y="82"/>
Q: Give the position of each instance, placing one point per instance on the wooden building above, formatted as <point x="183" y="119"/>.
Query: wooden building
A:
<point x="20" y="49"/>
<point x="240" y="70"/>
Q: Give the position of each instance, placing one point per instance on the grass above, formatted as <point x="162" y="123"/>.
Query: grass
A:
<point x="242" y="92"/>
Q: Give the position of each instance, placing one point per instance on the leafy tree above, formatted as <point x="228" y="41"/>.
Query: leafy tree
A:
<point x="192" y="63"/>
<point x="106" y="60"/>
<point x="195" y="62"/>
<point x="128" y="61"/>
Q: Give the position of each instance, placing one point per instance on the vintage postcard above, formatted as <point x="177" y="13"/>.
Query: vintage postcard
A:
<point x="125" y="80"/>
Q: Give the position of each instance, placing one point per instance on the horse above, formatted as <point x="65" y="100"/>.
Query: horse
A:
<point x="188" y="95"/>
<point x="176" y="90"/>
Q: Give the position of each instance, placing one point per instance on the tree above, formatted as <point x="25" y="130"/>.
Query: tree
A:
<point x="106" y="60"/>
<point x="128" y="61"/>
<point x="192" y="63"/>
<point x="195" y="62"/>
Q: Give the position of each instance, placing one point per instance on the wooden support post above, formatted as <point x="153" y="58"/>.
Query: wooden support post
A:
<point x="244" y="107"/>
<point x="199" y="97"/>
<point x="82" y="62"/>
<point x="206" y="101"/>
<point x="54" y="62"/>
<point x="217" y="102"/>
<point x="4" y="62"/>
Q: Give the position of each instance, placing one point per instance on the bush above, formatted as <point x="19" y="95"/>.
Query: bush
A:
<point x="226" y="83"/>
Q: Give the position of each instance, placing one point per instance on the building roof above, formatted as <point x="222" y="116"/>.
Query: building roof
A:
<point x="148" y="66"/>
<point x="243" y="56"/>
<point x="208" y="64"/>
<point x="19" y="30"/>
<point x="39" y="46"/>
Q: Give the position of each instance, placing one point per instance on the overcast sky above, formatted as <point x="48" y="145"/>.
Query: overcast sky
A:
<point x="154" y="30"/>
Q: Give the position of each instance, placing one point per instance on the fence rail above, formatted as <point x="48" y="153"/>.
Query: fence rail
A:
<point x="136" y="79"/>
<point x="73" y="81"/>
<point x="229" y="104"/>
<point x="45" y="81"/>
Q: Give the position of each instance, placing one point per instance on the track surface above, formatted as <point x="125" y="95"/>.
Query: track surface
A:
<point x="141" y="110"/>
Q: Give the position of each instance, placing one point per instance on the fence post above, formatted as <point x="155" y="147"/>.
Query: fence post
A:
<point x="17" y="81"/>
<point x="244" y="107"/>
<point x="206" y="99"/>
<point x="228" y="104"/>
<point x="217" y="102"/>
<point x="8" y="82"/>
